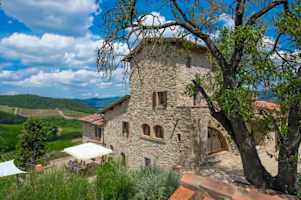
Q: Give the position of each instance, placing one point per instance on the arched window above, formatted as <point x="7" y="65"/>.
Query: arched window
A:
<point x="146" y="129"/>
<point x="158" y="131"/>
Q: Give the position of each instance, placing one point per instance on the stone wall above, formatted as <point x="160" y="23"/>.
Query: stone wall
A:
<point x="185" y="128"/>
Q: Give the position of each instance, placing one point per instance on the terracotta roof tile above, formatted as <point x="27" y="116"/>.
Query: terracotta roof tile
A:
<point x="267" y="105"/>
<point x="216" y="189"/>
<point x="95" y="119"/>
<point x="182" y="193"/>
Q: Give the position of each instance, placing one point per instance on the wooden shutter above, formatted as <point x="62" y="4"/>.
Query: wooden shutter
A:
<point x="154" y="99"/>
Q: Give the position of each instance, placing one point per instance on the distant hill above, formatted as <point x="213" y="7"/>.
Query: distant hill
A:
<point x="98" y="102"/>
<point x="9" y="118"/>
<point x="38" y="102"/>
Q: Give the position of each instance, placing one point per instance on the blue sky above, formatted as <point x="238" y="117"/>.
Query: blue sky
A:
<point x="48" y="47"/>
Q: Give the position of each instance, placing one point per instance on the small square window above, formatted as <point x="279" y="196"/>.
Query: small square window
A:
<point x="162" y="98"/>
<point x="147" y="162"/>
<point x="188" y="61"/>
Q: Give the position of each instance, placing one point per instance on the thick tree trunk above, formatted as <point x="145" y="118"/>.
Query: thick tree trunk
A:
<point x="254" y="171"/>
<point x="288" y="152"/>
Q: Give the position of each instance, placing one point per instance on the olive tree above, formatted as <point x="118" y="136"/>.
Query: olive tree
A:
<point x="242" y="61"/>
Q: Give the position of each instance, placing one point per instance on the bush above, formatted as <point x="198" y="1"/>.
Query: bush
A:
<point x="153" y="183"/>
<point x="53" y="185"/>
<point x="114" y="182"/>
<point x="7" y="185"/>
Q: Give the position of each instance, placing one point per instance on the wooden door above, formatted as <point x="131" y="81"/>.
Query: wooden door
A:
<point x="216" y="141"/>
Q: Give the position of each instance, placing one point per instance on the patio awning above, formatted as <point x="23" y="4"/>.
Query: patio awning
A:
<point x="87" y="151"/>
<point x="8" y="168"/>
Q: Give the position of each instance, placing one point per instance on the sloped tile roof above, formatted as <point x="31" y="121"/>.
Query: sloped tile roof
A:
<point x="267" y="105"/>
<point x="118" y="102"/>
<point x="95" y="119"/>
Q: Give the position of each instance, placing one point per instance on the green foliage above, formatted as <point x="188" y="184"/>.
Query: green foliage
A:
<point x="8" y="118"/>
<point x="37" y="102"/>
<point x="32" y="145"/>
<point x="53" y="185"/>
<point x="9" y="136"/>
<point x="114" y="182"/>
<point x="6" y="185"/>
<point x="153" y="183"/>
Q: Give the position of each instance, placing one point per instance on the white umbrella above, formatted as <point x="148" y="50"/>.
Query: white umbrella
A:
<point x="8" y="168"/>
<point x="87" y="151"/>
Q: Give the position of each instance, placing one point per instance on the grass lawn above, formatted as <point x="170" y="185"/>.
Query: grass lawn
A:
<point x="9" y="135"/>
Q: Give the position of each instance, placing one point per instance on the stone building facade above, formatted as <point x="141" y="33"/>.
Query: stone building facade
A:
<point x="158" y="124"/>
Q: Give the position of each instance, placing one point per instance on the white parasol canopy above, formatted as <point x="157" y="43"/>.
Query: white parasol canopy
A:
<point x="8" y="168"/>
<point x="87" y="151"/>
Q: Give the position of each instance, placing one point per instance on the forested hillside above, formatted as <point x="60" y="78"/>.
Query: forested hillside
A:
<point x="38" y="102"/>
<point x="98" y="102"/>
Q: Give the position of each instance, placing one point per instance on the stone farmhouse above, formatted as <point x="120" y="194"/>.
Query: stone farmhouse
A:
<point x="158" y="124"/>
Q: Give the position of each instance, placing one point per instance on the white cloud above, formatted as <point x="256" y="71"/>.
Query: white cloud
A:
<point x="67" y="17"/>
<point x="227" y="20"/>
<point x="34" y="77"/>
<point x="54" y="50"/>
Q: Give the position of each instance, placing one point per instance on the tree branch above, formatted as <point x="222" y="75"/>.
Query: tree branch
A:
<point x="239" y="12"/>
<point x="195" y="30"/>
<point x="220" y="116"/>
<point x="239" y="46"/>
<point x="205" y="95"/>
<point x="254" y="17"/>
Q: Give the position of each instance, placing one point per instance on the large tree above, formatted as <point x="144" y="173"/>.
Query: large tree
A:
<point x="242" y="59"/>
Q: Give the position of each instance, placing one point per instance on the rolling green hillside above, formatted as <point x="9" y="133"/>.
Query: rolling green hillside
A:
<point x="38" y="102"/>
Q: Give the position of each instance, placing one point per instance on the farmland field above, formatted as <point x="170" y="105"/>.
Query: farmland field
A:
<point x="69" y="134"/>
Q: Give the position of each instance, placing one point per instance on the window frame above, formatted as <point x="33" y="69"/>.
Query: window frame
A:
<point x="147" y="162"/>
<point x="159" y="99"/>
<point x="144" y="127"/>
<point x="125" y="128"/>
<point x="157" y="134"/>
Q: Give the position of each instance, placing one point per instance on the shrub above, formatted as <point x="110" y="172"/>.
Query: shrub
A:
<point x="155" y="184"/>
<point x="7" y="185"/>
<point x="114" y="182"/>
<point x="53" y="185"/>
